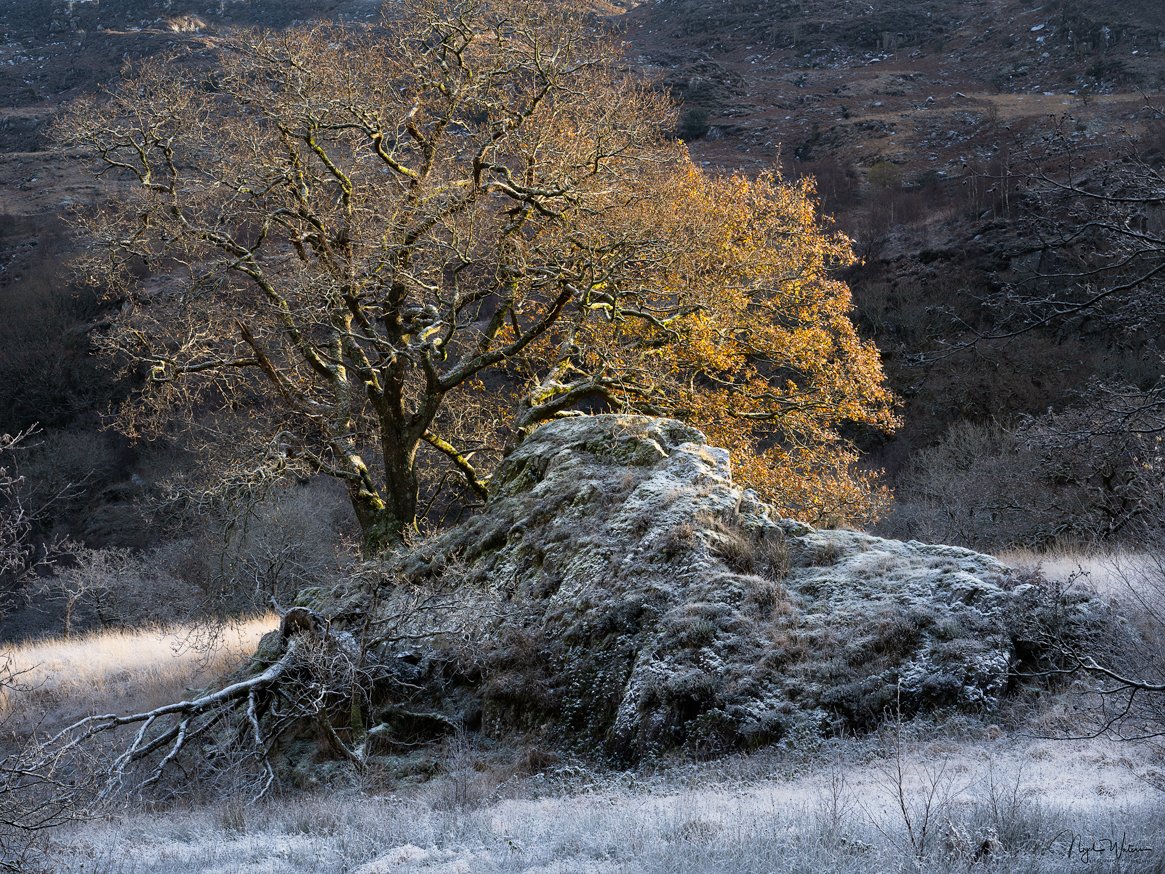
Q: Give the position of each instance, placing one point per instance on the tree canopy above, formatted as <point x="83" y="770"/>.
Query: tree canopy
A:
<point x="381" y="249"/>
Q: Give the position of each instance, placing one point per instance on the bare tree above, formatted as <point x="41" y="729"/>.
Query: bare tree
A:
<point x="367" y="220"/>
<point x="15" y="518"/>
<point x="39" y="792"/>
<point x="1097" y="226"/>
<point x="1100" y="263"/>
<point x="308" y="679"/>
<point x="88" y="578"/>
<point x="35" y="800"/>
<point x="1090" y="264"/>
<point x="49" y="780"/>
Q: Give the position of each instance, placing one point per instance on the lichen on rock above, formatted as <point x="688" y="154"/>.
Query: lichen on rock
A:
<point x="621" y="594"/>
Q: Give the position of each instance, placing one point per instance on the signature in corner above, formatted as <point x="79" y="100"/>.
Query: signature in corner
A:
<point x="1095" y="849"/>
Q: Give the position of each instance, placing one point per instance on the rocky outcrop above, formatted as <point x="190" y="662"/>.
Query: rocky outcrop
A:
<point x="620" y="592"/>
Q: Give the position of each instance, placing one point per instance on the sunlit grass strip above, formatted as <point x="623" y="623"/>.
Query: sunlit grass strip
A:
<point x="63" y="678"/>
<point x="1112" y="572"/>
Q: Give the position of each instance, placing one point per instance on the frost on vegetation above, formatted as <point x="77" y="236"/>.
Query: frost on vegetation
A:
<point x="620" y="594"/>
<point x="1000" y="808"/>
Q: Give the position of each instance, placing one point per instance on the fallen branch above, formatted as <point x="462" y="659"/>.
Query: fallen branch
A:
<point x="317" y="670"/>
<point x="194" y="718"/>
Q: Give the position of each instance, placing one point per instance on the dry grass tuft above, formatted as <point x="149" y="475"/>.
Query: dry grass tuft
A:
<point x="748" y="551"/>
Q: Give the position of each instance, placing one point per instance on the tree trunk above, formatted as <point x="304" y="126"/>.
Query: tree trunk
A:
<point x="384" y="520"/>
<point x="70" y="604"/>
<point x="380" y="528"/>
<point x="400" y="479"/>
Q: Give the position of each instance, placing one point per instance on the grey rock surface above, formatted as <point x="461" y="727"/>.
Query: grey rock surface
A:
<point x="621" y="593"/>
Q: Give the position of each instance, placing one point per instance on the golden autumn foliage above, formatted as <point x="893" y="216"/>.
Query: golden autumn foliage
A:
<point x="758" y="350"/>
<point x="379" y="251"/>
<point x="790" y="366"/>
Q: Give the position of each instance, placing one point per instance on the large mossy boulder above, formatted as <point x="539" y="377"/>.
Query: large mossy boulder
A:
<point x="620" y="593"/>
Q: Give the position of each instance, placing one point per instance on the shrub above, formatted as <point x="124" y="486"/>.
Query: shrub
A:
<point x="965" y="490"/>
<point x="694" y="123"/>
<point x="116" y="587"/>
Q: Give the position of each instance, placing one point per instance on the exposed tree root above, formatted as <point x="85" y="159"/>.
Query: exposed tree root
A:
<point x="317" y="673"/>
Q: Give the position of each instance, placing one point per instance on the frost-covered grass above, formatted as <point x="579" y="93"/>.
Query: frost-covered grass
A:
<point x="118" y="670"/>
<point x="998" y="805"/>
<point x="963" y="796"/>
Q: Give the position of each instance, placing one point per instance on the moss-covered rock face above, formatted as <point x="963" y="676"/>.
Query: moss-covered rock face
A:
<point x="620" y="593"/>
